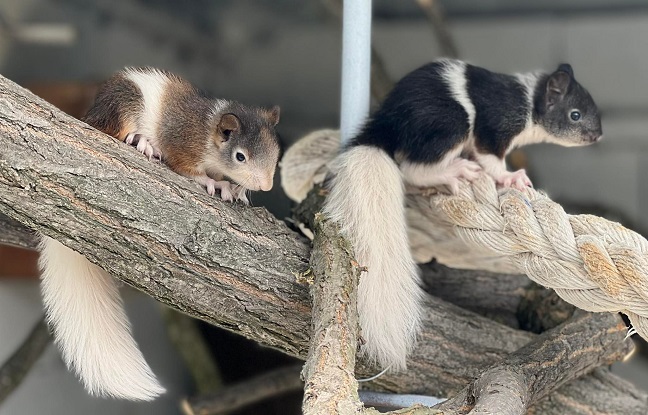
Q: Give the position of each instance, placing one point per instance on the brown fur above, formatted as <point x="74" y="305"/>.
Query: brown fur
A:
<point x="181" y="135"/>
<point x="195" y="135"/>
<point x="116" y="107"/>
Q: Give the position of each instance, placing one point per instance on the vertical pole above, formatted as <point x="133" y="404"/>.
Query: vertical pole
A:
<point x="356" y="66"/>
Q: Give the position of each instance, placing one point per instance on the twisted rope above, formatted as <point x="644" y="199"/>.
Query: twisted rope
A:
<point x="593" y="263"/>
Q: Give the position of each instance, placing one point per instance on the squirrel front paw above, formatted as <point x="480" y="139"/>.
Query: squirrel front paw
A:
<point x="240" y="194"/>
<point x="517" y="179"/>
<point x="228" y="191"/>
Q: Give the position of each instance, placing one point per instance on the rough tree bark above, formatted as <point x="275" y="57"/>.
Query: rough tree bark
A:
<point x="331" y="387"/>
<point x="232" y="266"/>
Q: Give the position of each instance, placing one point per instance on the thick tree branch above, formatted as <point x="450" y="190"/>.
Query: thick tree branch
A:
<point x="513" y="300"/>
<point x="532" y="372"/>
<point x="229" y="265"/>
<point x="331" y="387"/>
<point x="508" y="388"/>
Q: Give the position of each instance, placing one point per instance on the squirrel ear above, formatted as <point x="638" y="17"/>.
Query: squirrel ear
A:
<point x="565" y="67"/>
<point x="273" y="115"/>
<point x="557" y="85"/>
<point x="227" y="124"/>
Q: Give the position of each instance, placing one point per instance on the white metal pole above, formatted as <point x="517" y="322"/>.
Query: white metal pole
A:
<point x="356" y="66"/>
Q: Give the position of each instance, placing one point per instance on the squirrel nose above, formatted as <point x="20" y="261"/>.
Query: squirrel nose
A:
<point x="265" y="182"/>
<point x="266" y="186"/>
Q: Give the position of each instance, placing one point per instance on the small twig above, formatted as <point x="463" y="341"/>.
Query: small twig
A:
<point x="395" y="400"/>
<point x="435" y="14"/>
<point x="276" y="382"/>
<point x="16" y="368"/>
<point x="187" y="339"/>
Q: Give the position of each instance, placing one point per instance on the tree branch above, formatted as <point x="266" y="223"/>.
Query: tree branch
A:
<point x="532" y="372"/>
<point x="508" y="388"/>
<point x="229" y="265"/>
<point x="17" y="367"/>
<point x="16" y="234"/>
<point x="276" y="382"/>
<point x="331" y="387"/>
<point x="185" y="335"/>
<point x="435" y="14"/>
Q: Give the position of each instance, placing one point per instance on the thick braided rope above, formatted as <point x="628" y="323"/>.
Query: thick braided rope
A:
<point x="595" y="264"/>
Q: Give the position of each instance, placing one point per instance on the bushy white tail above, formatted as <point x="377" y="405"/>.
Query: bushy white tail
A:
<point x="367" y="200"/>
<point x="90" y="327"/>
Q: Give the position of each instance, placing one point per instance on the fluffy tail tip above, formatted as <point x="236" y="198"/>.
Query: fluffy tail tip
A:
<point x="143" y="387"/>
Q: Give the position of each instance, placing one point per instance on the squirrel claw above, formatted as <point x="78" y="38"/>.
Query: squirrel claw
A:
<point x="240" y="194"/>
<point x="144" y="146"/>
<point x="517" y="179"/>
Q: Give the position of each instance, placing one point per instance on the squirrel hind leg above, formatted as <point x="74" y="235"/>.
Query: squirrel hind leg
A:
<point x="143" y="145"/>
<point x="448" y="172"/>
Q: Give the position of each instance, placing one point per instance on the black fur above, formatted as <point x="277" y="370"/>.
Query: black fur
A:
<point x="419" y="118"/>
<point x="421" y="121"/>
<point x="501" y="109"/>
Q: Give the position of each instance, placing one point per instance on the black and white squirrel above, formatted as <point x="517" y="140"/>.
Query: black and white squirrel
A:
<point x="215" y="142"/>
<point x="441" y="123"/>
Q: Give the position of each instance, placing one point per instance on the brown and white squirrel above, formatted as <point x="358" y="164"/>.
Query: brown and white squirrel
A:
<point x="220" y="144"/>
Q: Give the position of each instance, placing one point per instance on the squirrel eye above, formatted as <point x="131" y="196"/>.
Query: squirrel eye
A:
<point x="240" y="157"/>
<point x="575" y="115"/>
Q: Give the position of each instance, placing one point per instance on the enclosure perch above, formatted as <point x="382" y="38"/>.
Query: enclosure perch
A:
<point x="162" y="234"/>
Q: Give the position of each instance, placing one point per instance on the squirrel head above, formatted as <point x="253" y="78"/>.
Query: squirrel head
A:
<point x="247" y="144"/>
<point x="566" y="110"/>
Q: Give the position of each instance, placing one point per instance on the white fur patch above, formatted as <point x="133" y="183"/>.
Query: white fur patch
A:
<point x="534" y="134"/>
<point x="496" y="168"/>
<point x="492" y="165"/>
<point x="152" y="84"/>
<point x="429" y="174"/>
<point x="448" y="173"/>
<point x="367" y="200"/>
<point x="90" y="327"/>
<point x="455" y="76"/>
<point x="219" y="107"/>
<point x="529" y="81"/>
